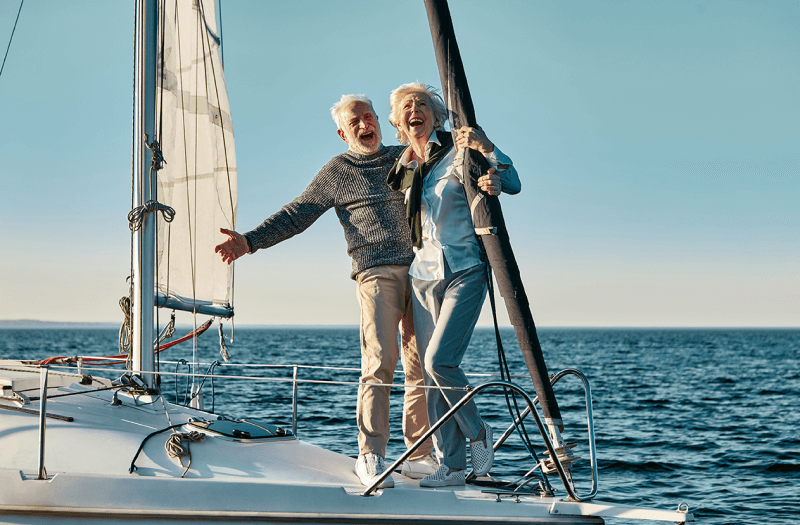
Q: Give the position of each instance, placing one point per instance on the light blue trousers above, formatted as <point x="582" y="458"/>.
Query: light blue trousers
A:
<point x="445" y="313"/>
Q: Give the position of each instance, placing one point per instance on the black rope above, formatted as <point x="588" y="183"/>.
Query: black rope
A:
<point x="186" y="390"/>
<point x="12" y="37"/>
<point x="505" y="375"/>
<point x="200" y="388"/>
<point x="133" y="467"/>
<point x="77" y="393"/>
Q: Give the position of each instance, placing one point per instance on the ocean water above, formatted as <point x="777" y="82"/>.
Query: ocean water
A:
<point x="708" y="417"/>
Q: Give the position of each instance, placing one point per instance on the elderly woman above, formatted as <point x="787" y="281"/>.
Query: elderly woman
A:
<point x="449" y="275"/>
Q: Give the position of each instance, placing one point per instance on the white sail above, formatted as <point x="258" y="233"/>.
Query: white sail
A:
<point x="198" y="179"/>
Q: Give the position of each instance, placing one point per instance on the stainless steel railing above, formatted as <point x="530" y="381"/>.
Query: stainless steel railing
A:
<point x="589" y="423"/>
<point x="42" y="419"/>
<point x="470" y="393"/>
<point x="568" y="485"/>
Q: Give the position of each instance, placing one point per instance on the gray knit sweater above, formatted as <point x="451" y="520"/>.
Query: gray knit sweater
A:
<point x="373" y="216"/>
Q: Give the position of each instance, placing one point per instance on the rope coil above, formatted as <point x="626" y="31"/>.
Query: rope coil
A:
<point x="157" y="161"/>
<point x="175" y="448"/>
<point x="137" y="215"/>
<point x="223" y="348"/>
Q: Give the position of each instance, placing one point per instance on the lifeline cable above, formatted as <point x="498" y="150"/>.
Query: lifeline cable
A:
<point x="12" y="37"/>
<point x="118" y="359"/>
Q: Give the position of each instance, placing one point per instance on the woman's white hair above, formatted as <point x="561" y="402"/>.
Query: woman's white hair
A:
<point x="434" y="100"/>
<point x="338" y="108"/>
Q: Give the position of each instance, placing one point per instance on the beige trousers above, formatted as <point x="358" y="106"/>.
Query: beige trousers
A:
<point x="384" y="294"/>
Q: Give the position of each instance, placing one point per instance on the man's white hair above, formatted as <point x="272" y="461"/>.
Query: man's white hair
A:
<point x="434" y="100"/>
<point x="338" y="108"/>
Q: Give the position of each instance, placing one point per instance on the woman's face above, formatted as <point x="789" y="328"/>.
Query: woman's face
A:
<point x="416" y="117"/>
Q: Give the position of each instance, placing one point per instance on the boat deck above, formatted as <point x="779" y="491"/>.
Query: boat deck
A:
<point x="90" y="446"/>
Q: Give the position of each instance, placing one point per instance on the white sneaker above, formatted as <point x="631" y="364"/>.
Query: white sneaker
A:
<point x="444" y="477"/>
<point x="369" y="468"/>
<point x="482" y="453"/>
<point x="420" y="468"/>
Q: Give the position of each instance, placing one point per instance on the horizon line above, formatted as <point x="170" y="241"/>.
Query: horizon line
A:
<point x="35" y="323"/>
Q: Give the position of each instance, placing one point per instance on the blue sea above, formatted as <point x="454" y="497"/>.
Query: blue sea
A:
<point x="708" y="417"/>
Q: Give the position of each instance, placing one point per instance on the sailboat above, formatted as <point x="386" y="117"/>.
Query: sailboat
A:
<point x="76" y="447"/>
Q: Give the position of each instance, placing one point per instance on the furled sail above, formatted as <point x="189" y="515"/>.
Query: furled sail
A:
<point x="198" y="179"/>
<point x="487" y="215"/>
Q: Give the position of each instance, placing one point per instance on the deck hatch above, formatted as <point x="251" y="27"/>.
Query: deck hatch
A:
<point x="241" y="428"/>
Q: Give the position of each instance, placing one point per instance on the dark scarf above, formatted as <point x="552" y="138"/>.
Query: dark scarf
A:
<point x="401" y="178"/>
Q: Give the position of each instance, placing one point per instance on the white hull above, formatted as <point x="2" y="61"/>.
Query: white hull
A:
<point x="278" y="480"/>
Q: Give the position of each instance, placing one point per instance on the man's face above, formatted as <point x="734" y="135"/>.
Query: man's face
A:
<point x="416" y="116"/>
<point x="361" y="130"/>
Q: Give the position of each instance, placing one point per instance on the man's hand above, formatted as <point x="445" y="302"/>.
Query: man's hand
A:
<point x="491" y="183"/>
<point x="233" y="248"/>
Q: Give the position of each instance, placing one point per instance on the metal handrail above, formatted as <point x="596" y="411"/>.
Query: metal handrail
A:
<point x="470" y="393"/>
<point x="42" y="419"/>
<point x="589" y="422"/>
<point x="455" y="408"/>
<point x="294" y="402"/>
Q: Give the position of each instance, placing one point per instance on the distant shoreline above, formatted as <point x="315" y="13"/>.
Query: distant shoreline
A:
<point x="31" y="324"/>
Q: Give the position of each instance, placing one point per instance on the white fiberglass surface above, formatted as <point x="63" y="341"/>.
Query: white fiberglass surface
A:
<point x="103" y="438"/>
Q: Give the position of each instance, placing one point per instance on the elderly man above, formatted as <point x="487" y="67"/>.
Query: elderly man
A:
<point x="379" y="242"/>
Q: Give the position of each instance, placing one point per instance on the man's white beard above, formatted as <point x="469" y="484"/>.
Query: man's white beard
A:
<point x="357" y="147"/>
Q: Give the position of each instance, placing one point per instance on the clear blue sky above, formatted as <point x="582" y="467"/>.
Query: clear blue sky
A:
<point x="658" y="144"/>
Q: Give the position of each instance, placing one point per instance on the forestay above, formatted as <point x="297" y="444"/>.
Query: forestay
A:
<point x="198" y="179"/>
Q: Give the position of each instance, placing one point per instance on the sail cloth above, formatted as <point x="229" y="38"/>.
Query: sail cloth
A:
<point x="198" y="179"/>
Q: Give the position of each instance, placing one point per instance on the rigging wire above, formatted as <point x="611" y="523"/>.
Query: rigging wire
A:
<point x="221" y="124"/>
<point x="203" y="51"/>
<point x="505" y="375"/>
<point x="126" y="303"/>
<point x="156" y="165"/>
<point x="192" y="228"/>
<point x="125" y="357"/>
<point x="192" y="254"/>
<point x="223" y="350"/>
<point x="12" y="37"/>
<point x="219" y="30"/>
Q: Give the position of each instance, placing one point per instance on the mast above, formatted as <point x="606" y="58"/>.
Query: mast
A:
<point x="487" y="215"/>
<point x="144" y="188"/>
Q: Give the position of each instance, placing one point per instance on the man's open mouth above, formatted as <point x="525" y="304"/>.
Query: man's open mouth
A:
<point x="367" y="136"/>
